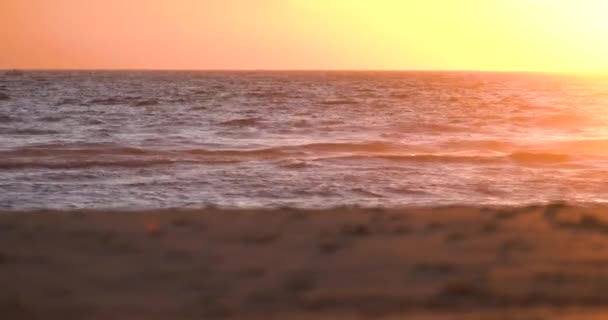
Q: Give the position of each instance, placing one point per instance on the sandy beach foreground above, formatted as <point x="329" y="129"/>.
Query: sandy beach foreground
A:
<point x="542" y="262"/>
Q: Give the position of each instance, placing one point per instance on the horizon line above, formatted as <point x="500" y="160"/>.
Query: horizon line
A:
<point x="299" y="70"/>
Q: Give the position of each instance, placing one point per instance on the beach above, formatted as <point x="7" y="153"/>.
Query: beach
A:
<point x="303" y="160"/>
<point x="452" y="262"/>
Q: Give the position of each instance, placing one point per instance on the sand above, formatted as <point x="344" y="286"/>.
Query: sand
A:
<point x="542" y="262"/>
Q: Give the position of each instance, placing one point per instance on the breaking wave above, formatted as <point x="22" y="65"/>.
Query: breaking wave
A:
<point x="292" y="156"/>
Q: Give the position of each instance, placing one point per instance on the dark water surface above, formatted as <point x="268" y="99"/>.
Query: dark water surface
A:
<point x="308" y="139"/>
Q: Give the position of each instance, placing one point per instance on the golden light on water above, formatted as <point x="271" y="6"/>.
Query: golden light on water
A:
<point x="528" y="35"/>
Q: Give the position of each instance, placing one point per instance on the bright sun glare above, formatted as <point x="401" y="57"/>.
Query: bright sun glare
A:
<point x="544" y="35"/>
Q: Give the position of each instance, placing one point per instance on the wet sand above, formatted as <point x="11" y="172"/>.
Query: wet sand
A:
<point x="543" y="262"/>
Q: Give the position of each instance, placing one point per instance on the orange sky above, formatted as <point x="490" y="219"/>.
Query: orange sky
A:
<point x="534" y="35"/>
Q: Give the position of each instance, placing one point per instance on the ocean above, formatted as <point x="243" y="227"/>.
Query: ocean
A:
<point x="191" y="139"/>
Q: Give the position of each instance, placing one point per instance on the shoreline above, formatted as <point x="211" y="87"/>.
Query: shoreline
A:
<point x="450" y="262"/>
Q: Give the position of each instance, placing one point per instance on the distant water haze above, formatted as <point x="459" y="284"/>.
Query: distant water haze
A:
<point x="306" y="139"/>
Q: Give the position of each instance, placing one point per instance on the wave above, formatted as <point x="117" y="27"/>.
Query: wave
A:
<point x="338" y="102"/>
<point x="244" y="122"/>
<point x="563" y="121"/>
<point x="144" y="103"/>
<point x="597" y="147"/>
<point x="426" y="128"/>
<point x="268" y="94"/>
<point x="58" y="150"/>
<point x="28" y="132"/>
<point x="67" y="102"/>
<point x="110" y="101"/>
<point x="13" y="165"/>
<point x="539" y="157"/>
<point x="6" y="119"/>
<point x="303" y="149"/>
<point x="571" y="147"/>
<point x="370" y="148"/>
<point x="523" y="158"/>
<point x="135" y="101"/>
<point x="290" y="157"/>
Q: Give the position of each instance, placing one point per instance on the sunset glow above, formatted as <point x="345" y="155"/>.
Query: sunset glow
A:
<point x="529" y="35"/>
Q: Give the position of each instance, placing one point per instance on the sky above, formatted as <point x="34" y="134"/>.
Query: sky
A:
<point x="503" y="35"/>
